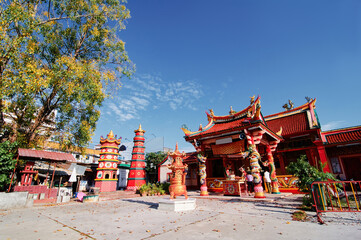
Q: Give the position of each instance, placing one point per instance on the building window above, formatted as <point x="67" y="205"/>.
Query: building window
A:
<point x="335" y="165"/>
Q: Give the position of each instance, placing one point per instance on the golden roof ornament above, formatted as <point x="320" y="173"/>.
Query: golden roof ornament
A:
<point x="252" y="100"/>
<point x="279" y="133"/>
<point x="231" y="112"/>
<point x="111" y="134"/>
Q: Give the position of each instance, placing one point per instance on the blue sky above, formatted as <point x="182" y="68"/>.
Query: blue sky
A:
<point x="192" y="56"/>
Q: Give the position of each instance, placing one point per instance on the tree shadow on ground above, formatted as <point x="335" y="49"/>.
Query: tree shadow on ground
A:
<point x="150" y="204"/>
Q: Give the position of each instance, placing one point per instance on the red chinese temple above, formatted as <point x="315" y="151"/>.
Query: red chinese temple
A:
<point x="279" y="139"/>
<point x="225" y="140"/>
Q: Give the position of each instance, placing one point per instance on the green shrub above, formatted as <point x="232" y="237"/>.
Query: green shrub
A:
<point x="151" y="189"/>
<point x="307" y="174"/>
<point x="165" y="187"/>
<point x="7" y="162"/>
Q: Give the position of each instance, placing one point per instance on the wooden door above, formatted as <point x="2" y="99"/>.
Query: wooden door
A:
<point x="352" y="167"/>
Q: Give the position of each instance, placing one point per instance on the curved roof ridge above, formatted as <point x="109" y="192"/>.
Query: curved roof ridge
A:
<point x="295" y="110"/>
<point x="236" y="114"/>
<point x="339" y="130"/>
<point x="212" y="119"/>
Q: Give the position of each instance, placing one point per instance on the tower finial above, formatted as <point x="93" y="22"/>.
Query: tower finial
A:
<point x="139" y="129"/>
<point x="111" y="134"/>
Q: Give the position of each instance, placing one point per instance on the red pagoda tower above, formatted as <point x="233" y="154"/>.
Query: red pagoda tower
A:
<point x="106" y="178"/>
<point x="136" y="177"/>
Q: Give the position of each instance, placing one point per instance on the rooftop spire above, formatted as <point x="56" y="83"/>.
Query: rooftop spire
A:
<point x="111" y="134"/>
<point x="139" y="129"/>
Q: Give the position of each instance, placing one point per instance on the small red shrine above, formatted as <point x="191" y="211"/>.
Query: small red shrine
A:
<point x="27" y="174"/>
<point x="240" y="139"/>
<point x="136" y="176"/>
<point x="42" y="193"/>
<point x="106" y="178"/>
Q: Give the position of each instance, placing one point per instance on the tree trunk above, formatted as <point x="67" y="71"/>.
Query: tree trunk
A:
<point x="43" y="114"/>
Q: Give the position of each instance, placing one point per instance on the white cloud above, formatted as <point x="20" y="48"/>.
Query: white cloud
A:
<point x="145" y="90"/>
<point x="333" y="125"/>
<point x="124" y="113"/>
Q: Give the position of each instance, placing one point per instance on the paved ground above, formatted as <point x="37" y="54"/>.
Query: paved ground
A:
<point x="216" y="217"/>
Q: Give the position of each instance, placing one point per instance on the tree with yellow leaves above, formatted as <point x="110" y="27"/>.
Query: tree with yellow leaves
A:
<point x="58" y="59"/>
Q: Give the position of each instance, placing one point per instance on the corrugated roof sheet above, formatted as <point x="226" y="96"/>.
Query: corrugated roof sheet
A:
<point x="45" y="155"/>
<point x="343" y="137"/>
<point x="292" y="124"/>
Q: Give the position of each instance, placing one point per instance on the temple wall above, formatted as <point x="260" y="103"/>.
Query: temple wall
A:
<point x="106" y="186"/>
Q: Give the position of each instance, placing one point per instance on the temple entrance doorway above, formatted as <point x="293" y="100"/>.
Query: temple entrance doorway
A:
<point x="352" y="166"/>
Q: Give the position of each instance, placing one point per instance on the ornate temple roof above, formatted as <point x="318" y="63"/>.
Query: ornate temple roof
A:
<point x="234" y="122"/>
<point x="110" y="138"/>
<point x="295" y="121"/>
<point x="345" y="135"/>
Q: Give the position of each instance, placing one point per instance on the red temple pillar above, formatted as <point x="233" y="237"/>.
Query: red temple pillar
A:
<point x="282" y="163"/>
<point x="202" y="173"/>
<point x="323" y="155"/>
<point x="254" y="157"/>
<point x="311" y="157"/>
<point x="106" y="178"/>
<point x="136" y="176"/>
<point x="272" y="167"/>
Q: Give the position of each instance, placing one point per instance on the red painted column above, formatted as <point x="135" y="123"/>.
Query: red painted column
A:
<point x="282" y="163"/>
<point x="272" y="171"/>
<point x="323" y="156"/>
<point x="311" y="157"/>
<point x="254" y="157"/>
<point x="202" y="173"/>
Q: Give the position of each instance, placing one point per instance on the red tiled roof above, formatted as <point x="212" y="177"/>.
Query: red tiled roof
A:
<point x="292" y="124"/>
<point x="217" y="127"/>
<point x="45" y="155"/>
<point x="343" y="137"/>
<point x="190" y="157"/>
<point x="225" y="126"/>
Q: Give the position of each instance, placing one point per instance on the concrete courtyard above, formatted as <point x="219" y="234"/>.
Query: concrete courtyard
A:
<point x="216" y="217"/>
